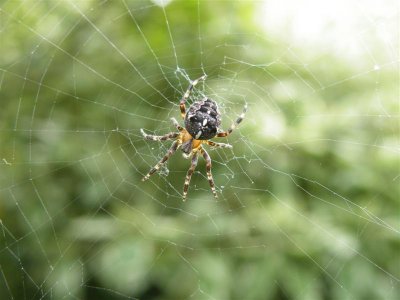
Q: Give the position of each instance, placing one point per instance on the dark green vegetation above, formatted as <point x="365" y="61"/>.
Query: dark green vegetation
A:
<point x="308" y="202"/>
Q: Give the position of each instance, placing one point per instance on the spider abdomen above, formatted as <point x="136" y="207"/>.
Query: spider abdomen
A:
<point x="203" y="119"/>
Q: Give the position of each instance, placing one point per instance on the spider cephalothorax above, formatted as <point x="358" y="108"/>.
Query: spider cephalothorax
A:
<point x="202" y="123"/>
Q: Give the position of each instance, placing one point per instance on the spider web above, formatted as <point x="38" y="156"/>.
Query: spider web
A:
<point x="308" y="196"/>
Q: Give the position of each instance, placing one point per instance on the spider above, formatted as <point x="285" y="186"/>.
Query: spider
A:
<point x="202" y="123"/>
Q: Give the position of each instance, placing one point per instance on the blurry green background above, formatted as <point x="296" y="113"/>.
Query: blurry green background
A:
<point x="308" y="202"/>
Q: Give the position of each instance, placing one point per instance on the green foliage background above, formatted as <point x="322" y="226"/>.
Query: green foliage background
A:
<point x="311" y="214"/>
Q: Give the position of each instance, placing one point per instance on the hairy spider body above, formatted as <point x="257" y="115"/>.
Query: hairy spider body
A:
<point x="202" y="123"/>
<point x="203" y="119"/>
<point x="189" y="144"/>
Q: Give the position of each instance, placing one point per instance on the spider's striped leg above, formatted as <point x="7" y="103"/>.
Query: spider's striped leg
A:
<point x="176" y="124"/>
<point x="168" y="136"/>
<point x="234" y="125"/>
<point x="219" y="145"/>
<point x="187" y="93"/>
<point x="189" y="175"/>
<point x="209" y="175"/>
<point x="171" y="151"/>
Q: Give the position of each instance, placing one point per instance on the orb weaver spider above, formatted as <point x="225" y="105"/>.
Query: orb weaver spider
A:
<point x="202" y="121"/>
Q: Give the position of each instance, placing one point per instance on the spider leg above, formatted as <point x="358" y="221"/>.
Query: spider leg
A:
<point x="176" y="124"/>
<point x="168" y="136"/>
<point x="234" y="125"/>
<point x="171" y="151"/>
<point x="209" y="175"/>
<point x="219" y="145"/>
<point x="187" y="93"/>
<point x="189" y="174"/>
